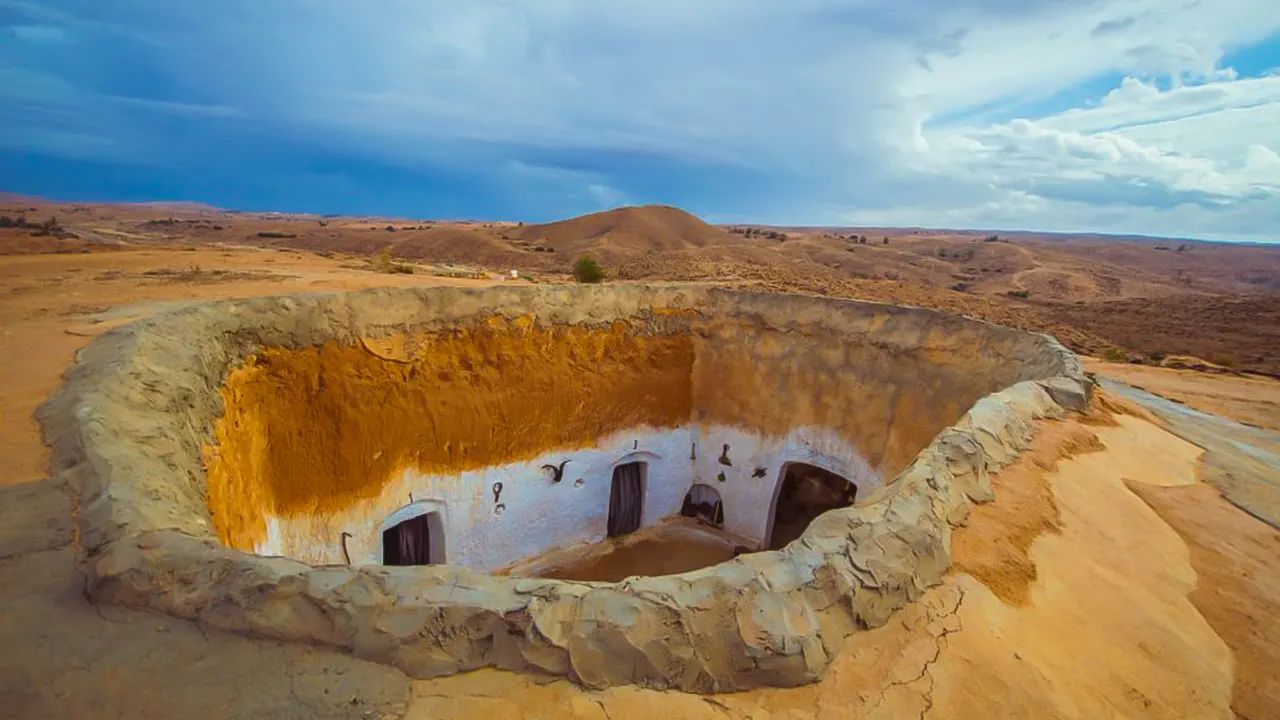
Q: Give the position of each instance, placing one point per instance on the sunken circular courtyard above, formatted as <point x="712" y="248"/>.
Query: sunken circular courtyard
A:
<point x="671" y="486"/>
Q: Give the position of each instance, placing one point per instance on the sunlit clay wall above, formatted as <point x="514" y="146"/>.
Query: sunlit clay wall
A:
<point x="510" y="428"/>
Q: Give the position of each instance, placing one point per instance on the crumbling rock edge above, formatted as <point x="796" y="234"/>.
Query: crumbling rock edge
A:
<point x="138" y="406"/>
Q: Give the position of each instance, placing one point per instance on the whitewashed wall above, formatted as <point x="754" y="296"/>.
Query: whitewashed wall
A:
<point x="748" y="499"/>
<point x="531" y="514"/>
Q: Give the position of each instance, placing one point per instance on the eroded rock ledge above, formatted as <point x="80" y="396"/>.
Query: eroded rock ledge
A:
<point x="141" y="401"/>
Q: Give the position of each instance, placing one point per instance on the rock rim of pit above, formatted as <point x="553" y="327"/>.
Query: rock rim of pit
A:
<point x="129" y="424"/>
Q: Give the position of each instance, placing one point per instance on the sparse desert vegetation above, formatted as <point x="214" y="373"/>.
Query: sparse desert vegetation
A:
<point x="1153" y="313"/>
<point x="1094" y="293"/>
<point x="383" y="263"/>
<point x="587" y="270"/>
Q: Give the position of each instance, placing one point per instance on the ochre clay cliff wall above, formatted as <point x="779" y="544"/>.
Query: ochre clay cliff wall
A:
<point x="887" y="379"/>
<point x="312" y="438"/>
<point x="133" y="421"/>
<point x="314" y="430"/>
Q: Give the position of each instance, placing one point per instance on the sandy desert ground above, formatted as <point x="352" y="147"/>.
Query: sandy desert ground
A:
<point x="1111" y="578"/>
<point x="1122" y="298"/>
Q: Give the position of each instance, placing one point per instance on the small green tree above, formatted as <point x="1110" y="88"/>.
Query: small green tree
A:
<point x="587" y="270"/>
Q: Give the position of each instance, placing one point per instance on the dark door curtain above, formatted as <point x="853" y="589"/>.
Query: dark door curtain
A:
<point x="626" y="499"/>
<point x="412" y="543"/>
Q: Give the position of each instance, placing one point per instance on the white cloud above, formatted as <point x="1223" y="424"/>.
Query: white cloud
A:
<point x="607" y="197"/>
<point x="175" y="108"/>
<point x="1136" y="103"/>
<point x="930" y="112"/>
<point x="1246" y="220"/>
<point x="39" y="33"/>
<point x="1044" y="53"/>
<point x="1171" y="161"/>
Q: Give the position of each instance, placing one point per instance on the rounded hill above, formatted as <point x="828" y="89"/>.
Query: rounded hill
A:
<point x="623" y="233"/>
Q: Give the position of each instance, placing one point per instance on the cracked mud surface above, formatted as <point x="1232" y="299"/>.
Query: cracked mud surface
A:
<point x="67" y="658"/>
<point x="1109" y="629"/>
<point x="63" y="658"/>
<point x="773" y="619"/>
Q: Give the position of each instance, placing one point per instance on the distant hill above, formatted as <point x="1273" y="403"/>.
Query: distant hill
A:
<point x="1140" y="298"/>
<point x="461" y="245"/>
<point x="177" y="206"/>
<point x="618" y="235"/>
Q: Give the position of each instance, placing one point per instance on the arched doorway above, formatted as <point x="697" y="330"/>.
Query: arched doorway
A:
<point x="805" y="492"/>
<point x="703" y="502"/>
<point x="418" y="540"/>
<point x="626" y="498"/>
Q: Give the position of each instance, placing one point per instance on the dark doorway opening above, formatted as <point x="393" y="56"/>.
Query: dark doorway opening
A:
<point x="702" y="502"/>
<point x="416" y="541"/>
<point x="626" y="498"/>
<point x="805" y="493"/>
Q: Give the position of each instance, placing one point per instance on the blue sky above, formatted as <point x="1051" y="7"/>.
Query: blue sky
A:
<point x="1132" y="116"/>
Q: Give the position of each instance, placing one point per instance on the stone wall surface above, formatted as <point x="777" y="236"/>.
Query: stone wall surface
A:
<point x="140" y="405"/>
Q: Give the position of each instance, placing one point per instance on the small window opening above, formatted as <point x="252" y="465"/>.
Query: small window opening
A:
<point x="703" y="502"/>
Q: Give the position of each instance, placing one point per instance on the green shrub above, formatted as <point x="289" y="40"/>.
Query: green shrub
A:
<point x="1115" y="355"/>
<point x="1024" y="294"/>
<point x="383" y="263"/>
<point x="587" y="270"/>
